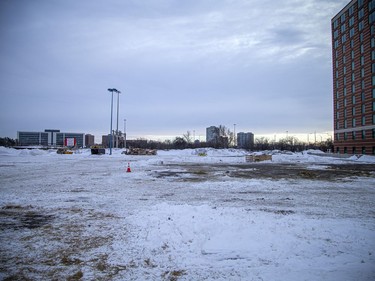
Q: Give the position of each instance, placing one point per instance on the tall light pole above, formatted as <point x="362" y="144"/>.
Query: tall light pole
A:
<point x="110" y="132"/>
<point x="125" y="134"/>
<point x="234" y="134"/>
<point x="118" y="106"/>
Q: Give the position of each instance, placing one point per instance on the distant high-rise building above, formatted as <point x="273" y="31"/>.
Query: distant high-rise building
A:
<point x="353" y="54"/>
<point x="89" y="140"/>
<point x="212" y="134"/>
<point x="245" y="140"/>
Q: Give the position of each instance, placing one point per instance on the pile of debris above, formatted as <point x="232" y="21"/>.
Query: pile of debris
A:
<point x="258" y="158"/>
<point x="64" y="150"/>
<point x="140" y="151"/>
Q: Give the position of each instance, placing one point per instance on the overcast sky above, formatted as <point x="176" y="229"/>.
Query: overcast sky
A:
<point x="180" y="65"/>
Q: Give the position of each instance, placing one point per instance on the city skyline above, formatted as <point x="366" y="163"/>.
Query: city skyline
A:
<point x="179" y="66"/>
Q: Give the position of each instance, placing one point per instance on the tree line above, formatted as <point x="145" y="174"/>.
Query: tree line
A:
<point x="186" y="141"/>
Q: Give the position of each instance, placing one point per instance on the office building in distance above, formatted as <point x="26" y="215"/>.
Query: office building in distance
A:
<point x="353" y="55"/>
<point x="245" y="140"/>
<point x="51" y="138"/>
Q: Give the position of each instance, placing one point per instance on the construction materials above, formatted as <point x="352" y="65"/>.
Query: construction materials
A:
<point x="97" y="149"/>
<point x="140" y="151"/>
<point x="258" y="158"/>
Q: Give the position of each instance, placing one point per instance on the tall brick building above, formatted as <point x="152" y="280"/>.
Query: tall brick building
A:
<point x="353" y="54"/>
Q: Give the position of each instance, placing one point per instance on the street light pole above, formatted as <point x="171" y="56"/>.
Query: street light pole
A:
<point x="118" y="105"/>
<point x="125" y="134"/>
<point x="111" y="135"/>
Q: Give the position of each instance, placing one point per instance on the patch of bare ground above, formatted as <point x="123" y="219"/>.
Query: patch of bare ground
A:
<point x="271" y="171"/>
<point x="58" y="244"/>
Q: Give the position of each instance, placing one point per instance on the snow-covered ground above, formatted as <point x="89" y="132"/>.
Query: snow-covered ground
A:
<point x="181" y="216"/>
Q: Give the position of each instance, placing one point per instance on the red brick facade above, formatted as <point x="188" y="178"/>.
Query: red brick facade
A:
<point x="353" y="54"/>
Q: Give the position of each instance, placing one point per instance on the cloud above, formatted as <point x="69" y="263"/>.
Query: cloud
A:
<point x="176" y="62"/>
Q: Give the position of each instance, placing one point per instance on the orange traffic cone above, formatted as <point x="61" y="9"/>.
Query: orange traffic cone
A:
<point x="128" y="169"/>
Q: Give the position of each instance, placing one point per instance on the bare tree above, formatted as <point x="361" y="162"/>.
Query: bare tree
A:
<point x="187" y="137"/>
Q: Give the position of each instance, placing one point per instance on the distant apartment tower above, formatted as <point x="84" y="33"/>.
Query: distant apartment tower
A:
<point x="245" y="140"/>
<point x="212" y="134"/>
<point x="353" y="54"/>
<point x="89" y="140"/>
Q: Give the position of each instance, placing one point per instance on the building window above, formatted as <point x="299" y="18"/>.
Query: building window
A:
<point x="372" y="42"/>
<point x="360" y="3"/>
<point x="337" y="136"/>
<point x="342" y="18"/>
<point x="353" y="88"/>
<point x="362" y="72"/>
<point x="353" y="99"/>
<point x="344" y="91"/>
<point x="345" y="124"/>
<point x="363" y="108"/>
<point x="353" y="135"/>
<point x="373" y="119"/>
<point x="335" y="24"/>
<point x="351" y="21"/>
<point x="373" y="80"/>
<point x="363" y="84"/>
<point x="338" y="149"/>
<point x="345" y="113"/>
<point x="353" y="65"/>
<point x="363" y="120"/>
<point x="362" y="49"/>
<point x="353" y="77"/>
<point x="360" y="27"/>
<point x="344" y="70"/>
<point x="352" y="55"/>
<point x="363" y="150"/>
<point x="373" y="133"/>
<point x="344" y="80"/>
<point x="351" y="10"/>
<point x="343" y="39"/>
<point x="345" y="150"/>
<point x="362" y="60"/>
<point x="373" y="106"/>
<point x="353" y="111"/>
<point x="337" y="125"/>
<point x="353" y="122"/>
<point x="373" y="55"/>
<point x="363" y="96"/>
<point x="343" y="28"/>
<point x="336" y="34"/>
<point x="336" y="44"/>
<point x="371" y="5"/>
<point x="363" y="134"/>
<point x="337" y="114"/>
<point x="345" y="102"/>
<point x="337" y="105"/>
<point x="373" y="93"/>
<point x="351" y="44"/>
<point x="360" y="13"/>
<point x="345" y="136"/>
<point x="361" y="37"/>
<point x="353" y="150"/>
<point x="373" y="68"/>
<point x="371" y="18"/>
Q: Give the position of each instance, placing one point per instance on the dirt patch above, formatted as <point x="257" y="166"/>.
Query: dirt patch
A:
<point x="271" y="171"/>
<point x="18" y="217"/>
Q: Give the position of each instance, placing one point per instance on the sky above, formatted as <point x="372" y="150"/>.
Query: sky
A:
<point x="180" y="66"/>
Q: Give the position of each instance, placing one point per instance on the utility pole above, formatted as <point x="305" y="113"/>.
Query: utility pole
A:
<point x="234" y="134"/>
